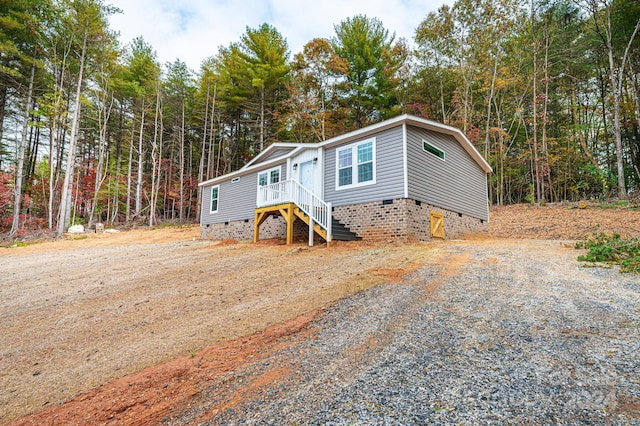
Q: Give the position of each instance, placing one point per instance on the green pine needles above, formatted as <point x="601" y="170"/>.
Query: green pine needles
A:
<point x="611" y="249"/>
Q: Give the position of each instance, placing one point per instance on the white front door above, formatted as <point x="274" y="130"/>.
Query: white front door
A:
<point x="306" y="175"/>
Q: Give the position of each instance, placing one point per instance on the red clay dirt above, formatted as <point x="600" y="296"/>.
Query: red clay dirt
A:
<point x="153" y="393"/>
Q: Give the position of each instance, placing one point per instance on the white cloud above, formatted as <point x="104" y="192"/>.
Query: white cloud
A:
<point x="192" y="30"/>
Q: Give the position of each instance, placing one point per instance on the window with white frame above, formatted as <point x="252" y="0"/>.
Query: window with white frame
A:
<point x="432" y="149"/>
<point x="355" y="164"/>
<point x="269" y="177"/>
<point x="215" y="194"/>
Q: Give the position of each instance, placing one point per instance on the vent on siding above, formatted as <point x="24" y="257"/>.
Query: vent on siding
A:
<point x="235" y="179"/>
<point x="432" y="149"/>
<point x="386" y="202"/>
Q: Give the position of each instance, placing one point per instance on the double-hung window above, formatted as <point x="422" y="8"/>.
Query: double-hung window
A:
<point x="269" y="177"/>
<point x="355" y="164"/>
<point x="215" y="195"/>
<point x="269" y="195"/>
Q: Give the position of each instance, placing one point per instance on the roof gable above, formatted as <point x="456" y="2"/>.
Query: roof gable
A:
<point x="456" y="133"/>
<point x="275" y="150"/>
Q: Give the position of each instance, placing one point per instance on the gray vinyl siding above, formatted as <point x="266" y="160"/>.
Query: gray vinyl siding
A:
<point x="457" y="183"/>
<point x="389" y="172"/>
<point x="236" y="200"/>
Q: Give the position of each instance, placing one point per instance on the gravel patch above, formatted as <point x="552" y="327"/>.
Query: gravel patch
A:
<point x="505" y="332"/>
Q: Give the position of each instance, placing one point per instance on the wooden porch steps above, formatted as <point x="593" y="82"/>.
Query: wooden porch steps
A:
<point x="291" y="212"/>
<point x="316" y="228"/>
<point x="338" y="230"/>
<point x="341" y="232"/>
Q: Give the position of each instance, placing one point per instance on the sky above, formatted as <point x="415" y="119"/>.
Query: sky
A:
<point x="192" y="30"/>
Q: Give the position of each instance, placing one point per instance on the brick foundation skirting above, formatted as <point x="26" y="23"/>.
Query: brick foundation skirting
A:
<point x="272" y="227"/>
<point x="399" y="219"/>
<point x="403" y="219"/>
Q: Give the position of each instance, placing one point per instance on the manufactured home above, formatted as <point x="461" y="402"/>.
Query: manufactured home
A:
<point x="406" y="178"/>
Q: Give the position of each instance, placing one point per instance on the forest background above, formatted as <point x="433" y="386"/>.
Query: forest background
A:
<point x="91" y="130"/>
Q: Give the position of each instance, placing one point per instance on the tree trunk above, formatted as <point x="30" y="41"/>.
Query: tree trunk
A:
<point x="546" y="172"/>
<point x="616" y="77"/>
<point x="113" y="214"/>
<point x="636" y="100"/>
<point x="581" y="138"/>
<point x="442" y="108"/>
<point x="181" y="156"/>
<point x="536" y="159"/>
<point x="138" y="209"/>
<point x="216" y="172"/>
<point x="52" y="128"/>
<point x="617" y="131"/>
<point x="130" y="168"/>
<point x="68" y="176"/>
<point x="154" y="148"/>
<point x="17" y="190"/>
<point x="3" y="105"/>
<point x="262" y="118"/>
<point x="212" y="136"/>
<point x="33" y="144"/>
<point x="489" y="105"/>
<point x="104" y="112"/>
<point x="160" y="158"/>
<point x="202" y="154"/>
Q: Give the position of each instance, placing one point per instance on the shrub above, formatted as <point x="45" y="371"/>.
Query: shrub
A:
<point x="611" y="249"/>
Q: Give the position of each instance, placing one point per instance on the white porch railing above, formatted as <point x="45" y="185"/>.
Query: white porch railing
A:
<point x="291" y="191"/>
<point x="274" y="194"/>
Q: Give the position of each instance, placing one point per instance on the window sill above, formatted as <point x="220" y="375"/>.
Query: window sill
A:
<point x="355" y="185"/>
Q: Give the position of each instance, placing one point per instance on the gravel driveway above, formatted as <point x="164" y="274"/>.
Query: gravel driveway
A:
<point x="487" y="332"/>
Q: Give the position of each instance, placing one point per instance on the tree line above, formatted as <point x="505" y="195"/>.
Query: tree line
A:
<point x="91" y="130"/>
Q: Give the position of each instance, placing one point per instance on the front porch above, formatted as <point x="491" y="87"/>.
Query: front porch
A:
<point x="293" y="201"/>
<point x="290" y="212"/>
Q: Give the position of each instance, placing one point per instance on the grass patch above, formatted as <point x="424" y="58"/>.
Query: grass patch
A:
<point x="21" y="243"/>
<point x="614" y="204"/>
<point x="611" y="249"/>
<point x="174" y="224"/>
<point x="16" y="244"/>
